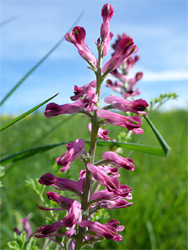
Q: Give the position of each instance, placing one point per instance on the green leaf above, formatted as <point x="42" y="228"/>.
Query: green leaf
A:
<point x="134" y="146"/>
<point x="31" y="244"/>
<point x="26" y="113"/>
<point x="30" y="152"/>
<point x="13" y="245"/>
<point x="159" y="151"/>
<point x="163" y="143"/>
<point x="38" y="63"/>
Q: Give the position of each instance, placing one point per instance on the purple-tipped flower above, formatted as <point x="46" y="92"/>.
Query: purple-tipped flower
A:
<point x="89" y="101"/>
<point x="49" y="229"/>
<point x="120" y="76"/>
<point x="137" y="106"/>
<point x="78" y="39"/>
<point x="103" y="178"/>
<point x="115" y="203"/>
<point x="108" y="230"/>
<point x="102" y="133"/>
<point x="123" y="191"/>
<point x="60" y="183"/>
<point x="131" y="123"/>
<point x="63" y="202"/>
<point x="131" y="83"/>
<point x="116" y="86"/>
<point x="118" y="160"/>
<point x="107" y="13"/>
<point x="130" y="62"/>
<point x="131" y="93"/>
<point x="81" y="91"/>
<point x="74" y="215"/>
<point x="73" y="207"/>
<point x="111" y="200"/>
<point x="53" y="109"/>
<point x="126" y="48"/>
<point x="74" y="150"/>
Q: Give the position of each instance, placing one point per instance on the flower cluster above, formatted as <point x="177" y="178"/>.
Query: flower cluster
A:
<point x="78" y="224"/>
<point x="124" y="84"/>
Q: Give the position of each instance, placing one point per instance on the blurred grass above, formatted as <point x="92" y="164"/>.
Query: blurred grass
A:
<point x="157" y="219"/>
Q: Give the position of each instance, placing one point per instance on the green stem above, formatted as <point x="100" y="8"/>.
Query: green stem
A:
<point x="92" y="150"/>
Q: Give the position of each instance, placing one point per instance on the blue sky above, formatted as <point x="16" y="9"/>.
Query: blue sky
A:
<point x="159" y="29"/>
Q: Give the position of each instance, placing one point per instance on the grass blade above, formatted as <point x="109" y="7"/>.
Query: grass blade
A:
<point x="38" y="63"/>
<point x="33" y="151"/>
<point x="7" y="21"/>
<point x="134" y="146"/>
<point x="26" y="113"/>
<point x="163" y="143"/>
<point x="30" y="152"/>
<point x="158" y="151"/>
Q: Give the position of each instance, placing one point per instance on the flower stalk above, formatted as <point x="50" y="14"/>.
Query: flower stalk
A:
<point x="77" y="227"/>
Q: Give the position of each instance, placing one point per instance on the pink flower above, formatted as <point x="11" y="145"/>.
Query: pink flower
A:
<point x="27" y="227"/>
<point x="53" y="109"/>
<point x="122" y="190"/>
<point x="130" y="62"/>
<point x="131" y="93"/>
<point x="103" y="195"/>
<point x="61" y="183"/>
<point x="48" y="229"/>
<point x="102" y="177"/>
<point x="102" y="133"/>
<point x="132" y="81"/>
<point x="137" y="106"/>
<point x="112" y="200"/>
<point x="116" y="86"/>
<point x="106" y="45"/>
<point x="74" y="150"/>
<point x="126" y="48"/>
<point x="78" y="39"/>
<point x="118" y="161"/>
<point x="115" y="203"/>
<point x="89" y="101"/>
<point x="108" y="230"/>
<point x="107" y="13"/>
<point x="81" y="91"/>
<point x="132" y="122"/>
<point x="63" y="202"/>
<point x="118" y="75"/>
<point x="74" y="215"/>
<point x="72" y="206"/>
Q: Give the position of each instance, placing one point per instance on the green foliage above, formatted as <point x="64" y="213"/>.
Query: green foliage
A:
<point x="35" y="185"/>
<point x="26" y="113"/>
<point x="2" y="173"/>
<point x="102" y="214"/>
<point x="163" y="151"/>
<point x="20" y="243"/>
<point x="156" y="219"/>
<point x="159" y="101"/>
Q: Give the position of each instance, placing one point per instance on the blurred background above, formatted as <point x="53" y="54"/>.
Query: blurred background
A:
<point x="29" y="29"/>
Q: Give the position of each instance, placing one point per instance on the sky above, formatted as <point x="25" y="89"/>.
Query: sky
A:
<point x="158" y="28"/>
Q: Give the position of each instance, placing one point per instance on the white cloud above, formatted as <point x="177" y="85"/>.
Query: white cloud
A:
<point x="165" y="76"/>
